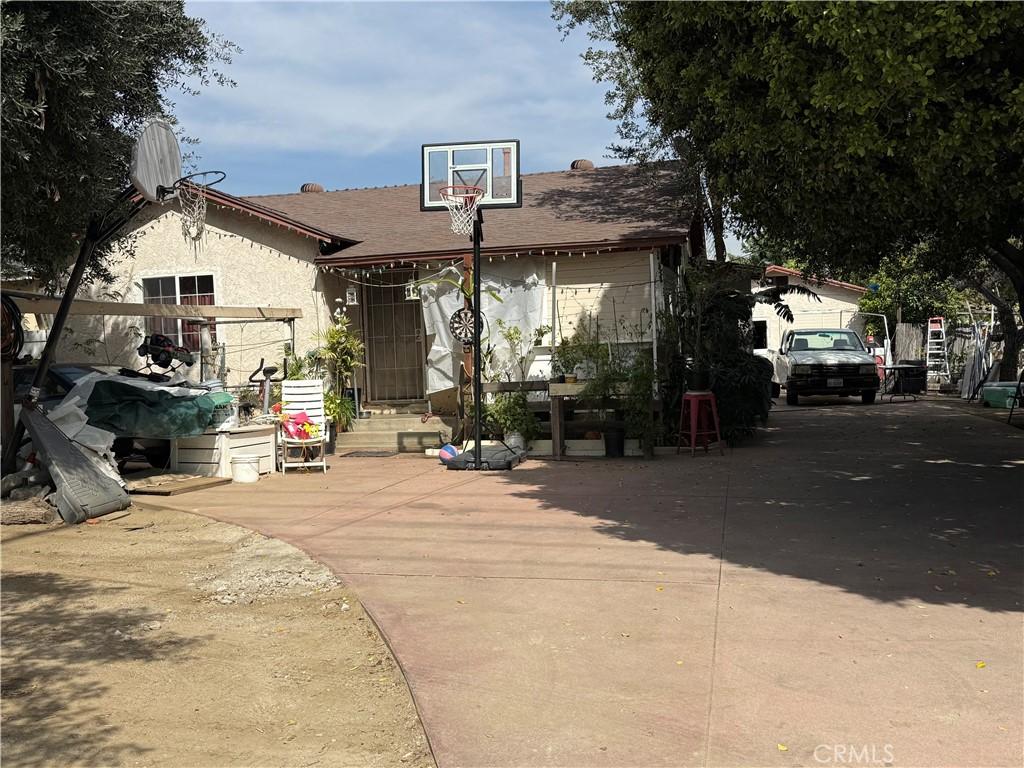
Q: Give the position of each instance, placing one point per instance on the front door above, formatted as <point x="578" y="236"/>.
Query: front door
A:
<point x="394" y="337"/>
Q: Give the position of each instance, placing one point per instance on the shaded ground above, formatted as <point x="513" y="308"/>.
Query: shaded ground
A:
<point x="847" y="586"/>
<point x="162" y="638"/>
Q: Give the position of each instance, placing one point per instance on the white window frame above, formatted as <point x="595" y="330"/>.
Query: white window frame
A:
<point x="180" y="334"/>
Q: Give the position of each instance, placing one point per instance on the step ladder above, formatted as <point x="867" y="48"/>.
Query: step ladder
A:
<point x="935" y="349"/>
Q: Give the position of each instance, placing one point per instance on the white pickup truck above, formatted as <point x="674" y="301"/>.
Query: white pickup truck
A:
<point x="826" y="361"/>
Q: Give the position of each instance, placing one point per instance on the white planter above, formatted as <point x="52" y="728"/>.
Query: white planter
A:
<point x="515" y="441"/>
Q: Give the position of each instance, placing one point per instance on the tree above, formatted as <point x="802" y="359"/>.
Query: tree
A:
<point x="908" y="291"/>
<point x="639" y="141"/>
<point x="847" y="131"/>
<point x="78" y="80"/>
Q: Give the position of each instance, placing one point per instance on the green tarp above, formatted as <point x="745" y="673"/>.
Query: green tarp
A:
<point x="129" y="411"/>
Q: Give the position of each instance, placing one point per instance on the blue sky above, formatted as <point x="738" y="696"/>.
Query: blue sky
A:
<point x="344" y="94"/>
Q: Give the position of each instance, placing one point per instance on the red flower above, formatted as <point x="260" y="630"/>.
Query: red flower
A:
<point x="276" y="407"/>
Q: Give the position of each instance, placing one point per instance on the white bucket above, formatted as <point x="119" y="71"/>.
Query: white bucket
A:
<point x="245" y="468"/>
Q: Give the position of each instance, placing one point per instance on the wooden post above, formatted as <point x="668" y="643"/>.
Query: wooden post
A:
<point x="554" y="307"/>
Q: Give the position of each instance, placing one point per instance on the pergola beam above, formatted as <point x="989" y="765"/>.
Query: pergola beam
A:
<point x="47" y="305"/>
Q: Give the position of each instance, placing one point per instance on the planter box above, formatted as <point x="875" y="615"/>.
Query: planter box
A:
<point x="209" y="454"/>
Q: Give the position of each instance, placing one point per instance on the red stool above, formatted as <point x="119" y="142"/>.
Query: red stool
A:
<point x="703" y="421"/>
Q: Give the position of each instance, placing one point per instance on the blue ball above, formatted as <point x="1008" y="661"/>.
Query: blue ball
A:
<point x="447" y="453"/>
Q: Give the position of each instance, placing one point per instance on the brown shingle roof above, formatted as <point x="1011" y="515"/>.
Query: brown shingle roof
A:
<point x="612" y="207"/>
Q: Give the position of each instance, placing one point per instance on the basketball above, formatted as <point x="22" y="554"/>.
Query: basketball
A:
<point x="447" y="453"/>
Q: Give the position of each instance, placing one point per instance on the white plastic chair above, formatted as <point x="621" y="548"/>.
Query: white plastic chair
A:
<point x="303" y="395"/>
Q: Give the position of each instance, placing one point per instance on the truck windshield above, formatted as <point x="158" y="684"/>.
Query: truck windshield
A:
<point x="825" y="340"/>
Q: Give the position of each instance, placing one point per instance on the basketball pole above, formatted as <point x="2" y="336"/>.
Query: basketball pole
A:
<point x="97" y="233"/>
<point x="478" y="235"/>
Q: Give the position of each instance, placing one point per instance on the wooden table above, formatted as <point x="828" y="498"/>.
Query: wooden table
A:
<point x="895" y="377"/>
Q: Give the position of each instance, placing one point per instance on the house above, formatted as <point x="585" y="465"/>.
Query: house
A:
<point x="837" y="308"/>
<point x="596" y="242"/>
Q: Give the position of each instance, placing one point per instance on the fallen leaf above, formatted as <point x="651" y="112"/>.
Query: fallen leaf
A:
<point x="679" y="662"/>
<point x="93" y="521"/>
<point x="992" y="573"/>
<point x="980" y="665"/>
<point x="461" y="602"/>
<point x="659" y="588"/>
<point x="782" y="747"/>
<point x="938" y="588"/>
<point x="624" y="634"/>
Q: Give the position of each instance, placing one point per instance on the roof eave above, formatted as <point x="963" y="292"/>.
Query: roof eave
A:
<point x="594" y="247"/>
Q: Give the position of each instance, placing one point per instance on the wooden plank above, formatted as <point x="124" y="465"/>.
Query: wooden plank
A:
<point x="515" y="386"/>
<point x="47" y="305"/>
<point x="179" y="486"/>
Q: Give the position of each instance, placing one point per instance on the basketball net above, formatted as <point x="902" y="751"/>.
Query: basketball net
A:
<point x="462" y="204"/>
<point x="193" y="215"/>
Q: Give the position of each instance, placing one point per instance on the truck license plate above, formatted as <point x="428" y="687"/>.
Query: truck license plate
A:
<point x="835" y="382"/>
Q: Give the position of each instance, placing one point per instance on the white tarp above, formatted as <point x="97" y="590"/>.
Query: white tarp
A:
<point x="520" y="285"/>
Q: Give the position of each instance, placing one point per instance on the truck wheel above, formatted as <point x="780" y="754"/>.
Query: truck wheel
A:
<point x="867" y="396"/>
<point x="792" y="398"/>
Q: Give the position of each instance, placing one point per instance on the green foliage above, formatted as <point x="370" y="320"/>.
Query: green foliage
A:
<point x="708" y="329"/>
<point x="515" y="364"/>
<point x="741" y="382"/>
<point x="582" y="349"/>
<point x="341" y="410"/>
<point x="639" y="393"/>
<point x="78" y="79"/>
<point x="341" y="349"/>
<point x="510" y="412"/>
<point x="909" y="282"/>
<point x="847" y="131"/>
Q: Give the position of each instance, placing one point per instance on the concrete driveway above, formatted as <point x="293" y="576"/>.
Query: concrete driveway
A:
<point x="845" y="590"/>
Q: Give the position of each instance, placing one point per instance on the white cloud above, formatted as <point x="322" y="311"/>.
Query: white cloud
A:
<point x="361" y="80"/>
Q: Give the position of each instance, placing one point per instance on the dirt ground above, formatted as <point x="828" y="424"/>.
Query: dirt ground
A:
<point x="162" y="638"/>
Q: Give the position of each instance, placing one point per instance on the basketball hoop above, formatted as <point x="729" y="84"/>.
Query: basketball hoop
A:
<point x="192" y="201"/>
<point x="462" y="203"/>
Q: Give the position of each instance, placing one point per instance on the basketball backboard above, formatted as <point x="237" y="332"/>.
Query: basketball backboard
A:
<point x="491" y="165"/>
<point x="156" y="162"/>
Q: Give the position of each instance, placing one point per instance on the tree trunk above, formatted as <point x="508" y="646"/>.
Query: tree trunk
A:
<point x="717" y="217"/>
<point x="1011" y="333"/>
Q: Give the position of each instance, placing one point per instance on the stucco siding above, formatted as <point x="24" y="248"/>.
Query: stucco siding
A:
<point x="252" y="264"/>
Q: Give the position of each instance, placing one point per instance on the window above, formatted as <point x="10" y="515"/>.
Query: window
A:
<point x="826" y="340"/>
<point x="760" y="334"/>
<point x="191" y="289"/>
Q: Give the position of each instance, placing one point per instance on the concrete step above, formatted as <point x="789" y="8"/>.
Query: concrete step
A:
<point x="403" y="442"/>
<point x="400" y="423"/>
<point x="388" y="409"/>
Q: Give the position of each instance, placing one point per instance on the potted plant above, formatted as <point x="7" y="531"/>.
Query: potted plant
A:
<point x="510" y="415"/>
<point x="581" y="353"/>
<point x="608" y="375"/>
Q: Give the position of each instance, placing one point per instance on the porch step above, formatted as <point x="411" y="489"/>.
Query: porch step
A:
<point x="403" y="442"/>
<point x="400" y="423"/>
<point x="392" y="409"/>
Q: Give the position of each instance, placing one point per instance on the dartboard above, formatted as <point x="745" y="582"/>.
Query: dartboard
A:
<point x="461" y="325"/>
